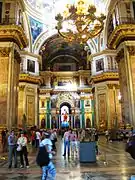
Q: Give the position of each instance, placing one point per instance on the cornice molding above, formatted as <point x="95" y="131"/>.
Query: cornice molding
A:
<point x="120" y="33"/>
<point x="105" y="77"/>
<point x="85" y="90"/>
<point x="13" y="33"/>
<point x="31" y="54"/>
<point x="30" y="79"/>
<point x="104" y="52"/>
<point x="44" y="91"/>
<point x="111" y="86"/>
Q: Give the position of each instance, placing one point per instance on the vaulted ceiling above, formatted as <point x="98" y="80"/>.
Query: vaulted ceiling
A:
<point x="56" y="49"/>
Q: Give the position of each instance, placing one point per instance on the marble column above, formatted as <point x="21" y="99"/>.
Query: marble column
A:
<point x="92" y="109"/>
<point x="48" y="125"/>
<point x="82" y="113"/>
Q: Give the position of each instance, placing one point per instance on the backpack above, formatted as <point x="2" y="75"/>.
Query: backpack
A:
<point x="42" y="158"/>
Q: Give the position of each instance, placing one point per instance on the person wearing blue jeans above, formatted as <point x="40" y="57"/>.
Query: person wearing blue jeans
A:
<point x="67" y="142"/>
<point x="48" y="171"/>
<point x="12" y="149"/>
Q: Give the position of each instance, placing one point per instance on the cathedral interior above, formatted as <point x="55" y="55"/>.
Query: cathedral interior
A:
<point x="48" y="82"/>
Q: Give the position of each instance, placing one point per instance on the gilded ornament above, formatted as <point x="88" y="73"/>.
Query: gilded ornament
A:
<point x="105" y="76"/>
<point x="29" y="78"/>
<point x="110" y="86"/>
<point x="14" y="33"/>
<point x="21" y="87"/>
<point x="29" y="89"/>
<point x="119" y="34"/>
<point x="131" y="50"/>
<point x="17" y="56"/>
<point x="4" y="51"/>
<point x="120" y="55"/>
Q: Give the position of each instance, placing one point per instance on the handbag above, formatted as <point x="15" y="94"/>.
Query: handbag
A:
<point x="19" y="148"/>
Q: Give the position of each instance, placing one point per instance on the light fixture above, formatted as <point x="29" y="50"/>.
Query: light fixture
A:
<point x="79" y="22"/>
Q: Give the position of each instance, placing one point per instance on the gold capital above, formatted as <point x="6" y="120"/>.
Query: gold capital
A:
<point x="131" y="50"/>
<point x="4" y="51"/>
<point x="120" y="55"/>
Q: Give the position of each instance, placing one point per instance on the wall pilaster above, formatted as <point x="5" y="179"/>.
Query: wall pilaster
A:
<point x="9" y="67"/>
<point x="125" y="59"/>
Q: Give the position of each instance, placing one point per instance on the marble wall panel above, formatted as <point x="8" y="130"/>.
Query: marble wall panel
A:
<point x="124" y="91"/>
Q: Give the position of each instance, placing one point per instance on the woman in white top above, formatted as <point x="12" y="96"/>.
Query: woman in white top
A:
<point x="22" y="142"/>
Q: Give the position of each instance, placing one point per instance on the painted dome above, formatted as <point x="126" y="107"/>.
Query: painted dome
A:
<point x="56" y="6"/>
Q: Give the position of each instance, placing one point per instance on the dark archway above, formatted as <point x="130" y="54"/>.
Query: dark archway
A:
<point x="65" y="113"/>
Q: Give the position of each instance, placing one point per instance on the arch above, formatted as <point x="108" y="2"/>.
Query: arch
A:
<point x="41" y="39"/>
<point x="66" y="56"/>
<point x="90" y="44"/>
<point x="65" y="97"/>
<point x="65" y="104"/>
<point x="58" y="105"/>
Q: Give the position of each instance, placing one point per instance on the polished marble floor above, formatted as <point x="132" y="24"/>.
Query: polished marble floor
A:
<point x="113" y="163"/>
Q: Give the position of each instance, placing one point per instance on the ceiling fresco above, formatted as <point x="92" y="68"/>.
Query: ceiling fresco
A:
<point x="55" y="46"/>
<point x="50" y="8"/>
<point x="56" y="49"/>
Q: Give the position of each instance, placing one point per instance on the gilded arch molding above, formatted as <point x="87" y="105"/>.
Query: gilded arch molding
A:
<point x="65" y="98"/>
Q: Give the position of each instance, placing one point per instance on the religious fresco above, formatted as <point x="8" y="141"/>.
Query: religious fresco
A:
<point x="30" y="66"/>
<point x="87" y="103"/>
<point x="99" y="65"/>
<point x="36" y="28"/>
<point x="52" y="7"/>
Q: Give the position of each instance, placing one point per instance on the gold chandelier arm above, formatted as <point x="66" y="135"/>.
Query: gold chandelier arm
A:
<point x="61" y="34"/>
<point x="84" y="24"/>
<point x="94" y="35"/>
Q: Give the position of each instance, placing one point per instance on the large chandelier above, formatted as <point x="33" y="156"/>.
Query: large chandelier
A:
<point x="79" y="22"/>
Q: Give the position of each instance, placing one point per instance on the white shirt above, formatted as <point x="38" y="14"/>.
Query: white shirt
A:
<point x="22" y="141"/>
<point x="47" y="142"/>
<point x="38" y="135"/>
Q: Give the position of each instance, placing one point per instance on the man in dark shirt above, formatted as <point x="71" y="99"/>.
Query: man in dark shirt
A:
<point x="12" y="141"/>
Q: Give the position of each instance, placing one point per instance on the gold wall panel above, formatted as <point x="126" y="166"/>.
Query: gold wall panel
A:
<point x="30" y="103"/>
<point x="3" y="89"/>
<point x="102" y="111"/>
<point x="20" y="107"/>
